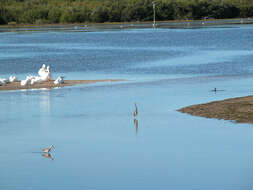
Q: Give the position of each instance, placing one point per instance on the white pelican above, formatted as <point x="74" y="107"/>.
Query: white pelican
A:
<point x="42" y="70"/>
<point x="13" y="79"/>
<point x="49" y="73"/>
<point x="36" y="80"/>
<point x="44" y="73"/>
<point x="59" y="80"/>
<point x="24" y="82"/>
<point x="4" y="80"/>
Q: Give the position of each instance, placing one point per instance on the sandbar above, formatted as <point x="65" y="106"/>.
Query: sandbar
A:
<point x="235" y="109"/>
<point x="50" y="84"/>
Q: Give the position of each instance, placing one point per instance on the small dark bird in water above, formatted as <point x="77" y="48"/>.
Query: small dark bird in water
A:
<point x="214" y="90"/>
<point x="136" y="110"/>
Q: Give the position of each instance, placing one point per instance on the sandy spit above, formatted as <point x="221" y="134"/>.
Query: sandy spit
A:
<point x="50" y="84"/>
<point x="235" y="109"/>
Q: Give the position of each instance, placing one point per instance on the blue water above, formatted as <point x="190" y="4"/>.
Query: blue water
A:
<point x="97" y="144"/>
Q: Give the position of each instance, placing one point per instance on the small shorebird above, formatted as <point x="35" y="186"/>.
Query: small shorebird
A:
<point x="47" y="150"/>
<point x="136" y="110"/>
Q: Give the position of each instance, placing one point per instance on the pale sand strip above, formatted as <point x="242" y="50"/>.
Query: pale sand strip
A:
<point x="50" y="84"/>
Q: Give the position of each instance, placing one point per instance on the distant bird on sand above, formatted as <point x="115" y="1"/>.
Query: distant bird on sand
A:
<point x="136" y="110"/>
<point x="47" y="150"/>
<point x="59" y="80"/>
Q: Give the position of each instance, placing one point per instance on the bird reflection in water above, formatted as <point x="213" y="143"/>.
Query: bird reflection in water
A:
<point x="47" y="155"/>
<point x="46" y="152"/>
<point x="135" y="115"/>
<point x="136" y="126"/>
<point x="45" y="102"/>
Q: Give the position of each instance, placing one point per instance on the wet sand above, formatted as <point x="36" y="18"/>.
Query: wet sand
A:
<point x="236" y="109"/>
<point x="50" y="84"/>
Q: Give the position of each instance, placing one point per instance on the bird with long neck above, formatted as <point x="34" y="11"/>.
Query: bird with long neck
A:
<point x="47" y="150"/>
<point x="136" y="111"/>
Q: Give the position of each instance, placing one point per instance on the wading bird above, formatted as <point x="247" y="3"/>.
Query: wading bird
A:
<point x="47" y="150"/>
<point x="136" y="110"/>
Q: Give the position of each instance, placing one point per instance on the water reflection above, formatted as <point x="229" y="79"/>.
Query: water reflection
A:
<point x="45" y="100"/>
<point x="47" y="155"/>
<point x="136" y="126"/>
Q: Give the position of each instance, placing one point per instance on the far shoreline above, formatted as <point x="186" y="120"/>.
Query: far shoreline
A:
<point x="208" y="22"/>
<point x="238" y="109"/>
<point x="50" y="84"/>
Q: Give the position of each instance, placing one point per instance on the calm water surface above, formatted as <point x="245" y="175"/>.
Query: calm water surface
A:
<point x="98" y="145"/>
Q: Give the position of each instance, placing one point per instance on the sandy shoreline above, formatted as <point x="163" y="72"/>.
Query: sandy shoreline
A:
<point x="236" y="109"/>
<point x="50" y="84"/>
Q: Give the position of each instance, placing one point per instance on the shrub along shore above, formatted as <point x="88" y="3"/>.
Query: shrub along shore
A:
<point x="100" y="11"/>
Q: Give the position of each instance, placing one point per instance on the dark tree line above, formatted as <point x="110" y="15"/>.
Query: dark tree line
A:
<point x="80" y="11"/>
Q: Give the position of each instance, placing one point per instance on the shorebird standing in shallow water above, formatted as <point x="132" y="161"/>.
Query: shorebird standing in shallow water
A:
<point x="47" y="150"/>
<point x="136" y="110"/>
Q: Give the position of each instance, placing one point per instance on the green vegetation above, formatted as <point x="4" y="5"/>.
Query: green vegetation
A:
<point x="80" y="11"/>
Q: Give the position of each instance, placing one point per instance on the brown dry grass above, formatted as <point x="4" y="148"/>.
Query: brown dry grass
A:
<point x="237" y="109"/>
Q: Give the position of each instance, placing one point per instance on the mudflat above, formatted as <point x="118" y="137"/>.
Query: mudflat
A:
<point x="50" y="84"/>
<point x="236" y="109"/>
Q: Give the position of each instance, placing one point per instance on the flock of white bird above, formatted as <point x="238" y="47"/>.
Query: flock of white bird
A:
<point x="44" y="76"/>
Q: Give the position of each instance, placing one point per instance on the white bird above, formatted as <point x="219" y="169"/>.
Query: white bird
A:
<point x="36" y="80"/>
<point x="49" y="73"/>
<point x="47" y="150"/>
<point x="42" y="70"/>
<point x="59" y="80"/>
<point x="46" y="75"/>
<point x="4" y="80"/>
<point x="13" y="79"/>
<point x="24" y="82"/>
<point x="30" y="77"/>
